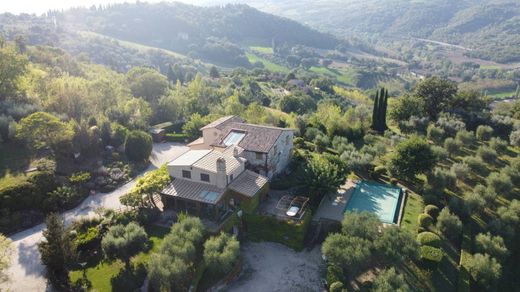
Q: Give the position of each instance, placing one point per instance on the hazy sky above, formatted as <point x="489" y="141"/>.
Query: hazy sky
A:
<point x="42" y="6"/>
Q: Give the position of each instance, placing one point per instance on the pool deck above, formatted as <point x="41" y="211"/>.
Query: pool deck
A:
<point x="334" y="208"/>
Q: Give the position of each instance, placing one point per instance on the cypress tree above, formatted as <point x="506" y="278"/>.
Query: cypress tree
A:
<point x="385" y="106"/>
<point x="375" y="111"/>
<point x="380" y="109"/>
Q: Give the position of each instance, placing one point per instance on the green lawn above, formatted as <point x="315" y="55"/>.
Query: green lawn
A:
<point x="263" y="50"/>
<point x="413" y="207"/>
<point x="102" y="274"/>
<point x="268" y="64"/>
<point x="346" y="76"/>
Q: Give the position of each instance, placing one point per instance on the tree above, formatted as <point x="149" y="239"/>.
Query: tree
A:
<point x="122" y="242"/>
<point x="6" y="251"/>
<point x="168" y="274"/>
<point x="474" y="202"/>
<point x="379" y="111"/>
<point x="57" y="250"/>
<point x="138" y="146"/>
<point x="484" y="133"/>
<point x="320" y="178"/>
<point x="221" y="253"/>
<point x="147" y="83"/>
<point x="492" y="245"/>
<point x="499" y="183"/>
<point x="193" y="125"/>
<point x="451" y="146"/>
<point x="397" y="245"/>
<point x="152" y="183"/>
<point x="389" y="280"/>
<point x="137" y="113"/>
<point x="405" y="107"/>
<point x="484" y="270"/>
<point x="12" y="67"/>
<point x="213" y="72"/>
<point x="119" y="134"/>
<point x="449" y="224"/>
<point x="411" y="157"/>
<point x="43" y="130"/>
<point x="436" y="93"/>
<point x="361" y="224"/>
<point x="351" y="253"/>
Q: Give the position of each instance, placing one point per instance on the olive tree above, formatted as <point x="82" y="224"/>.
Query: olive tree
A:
<point x="389" y="280"/>
<point x="221" y="253"/>
<point x="484" y="269"/>
<point x="449" y="224"/>
<point x="122" y="242"/>
<point x="492" y="245"/>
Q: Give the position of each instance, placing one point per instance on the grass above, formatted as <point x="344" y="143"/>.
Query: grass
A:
<point x="501" y="95"/>
<point x="413" y="207"/>
<point x="263" y="50"/>
<point x="267" y="64"/>
<point x="101" y="273"/>
<point x="14" y="160"/>
<point x="345" y="76"/>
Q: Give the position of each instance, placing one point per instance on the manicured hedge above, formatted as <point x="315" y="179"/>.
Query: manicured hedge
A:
<point x="425" y="220"/>
<point x="28" y="194"/>
<point x="429" y="238"/>
<point x="334" y="274"/>
<point x="432" y="210"/>
<point x="430" y="256"/>
<point x="175" y="137"/>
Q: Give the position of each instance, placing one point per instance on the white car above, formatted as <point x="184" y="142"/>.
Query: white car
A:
<point x="292" y="211"/>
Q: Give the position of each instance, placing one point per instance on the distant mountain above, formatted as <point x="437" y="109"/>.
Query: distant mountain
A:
<point x="490" y="27"/>
<point x="214" y="34"/>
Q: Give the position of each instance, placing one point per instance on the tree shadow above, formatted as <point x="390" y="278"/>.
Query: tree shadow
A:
<point x="14" y="159"/>
<point x="29" y="258"/>
<point x="129" y="279"/>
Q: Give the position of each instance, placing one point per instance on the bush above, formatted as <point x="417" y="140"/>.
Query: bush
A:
<point x="425" y="221"/>
<point x="176" y="137"/>
<point x="61" y="198"/>
<point x="514" y="138"/>
<point x="119" y="134"/>
<point x="484" y="133"/>
<point x="79" y="177"/>
<point x="487" y="154"/>
<point x="429" y="238"/>
<point x="476" y="165"/>
<point x="124" y="241"/>
<point x="87" y="239"/>
<point x="430" y="256"/>
<point x="335" y="274"/>
<point x="336" y="287"/>
<point x="138" y="146"/>
<point x="432" y="210"/>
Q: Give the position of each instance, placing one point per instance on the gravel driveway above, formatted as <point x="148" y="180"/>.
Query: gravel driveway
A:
<point x="26" y="272"/>
<point x="274" y="267"/>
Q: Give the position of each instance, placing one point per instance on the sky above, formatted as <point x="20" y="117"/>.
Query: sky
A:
<point x="42" y="6"/>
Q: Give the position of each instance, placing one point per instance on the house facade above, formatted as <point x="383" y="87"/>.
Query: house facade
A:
<point x="268" y="150"/>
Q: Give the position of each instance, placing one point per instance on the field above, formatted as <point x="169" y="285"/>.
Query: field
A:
<point x="263" y="50"/>
<point x="346" y="76"/>
<point x="268" y="64"/>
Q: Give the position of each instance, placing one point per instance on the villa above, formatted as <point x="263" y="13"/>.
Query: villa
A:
<point x="227" y="169"/>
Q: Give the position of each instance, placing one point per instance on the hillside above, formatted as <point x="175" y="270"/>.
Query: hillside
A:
<point x="214" y="34"/>
<point x="489" y="27"/>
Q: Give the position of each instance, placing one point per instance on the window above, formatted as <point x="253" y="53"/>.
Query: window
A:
<point x="231" y="177"/>
<point x="186" y="174"/>
<point x="233" y="138"/>
<point x="204" y="177"/>
<point x="259" y="156"/>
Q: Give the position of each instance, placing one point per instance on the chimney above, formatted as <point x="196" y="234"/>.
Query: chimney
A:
<point x="221" y="173"/>
<point x="235" y="151"/>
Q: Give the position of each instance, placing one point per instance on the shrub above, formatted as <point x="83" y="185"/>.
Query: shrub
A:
<point x="487" y="154"/>
<point x="435" y="134"/>
<point x="79" y="177"/>
<point x="119" y="134"/>
<point x="449" y="224"/>
<point x="484" y="133"/>
<point x="87" y="239"/>
<point x="500" y="183"/>
<point x="432" y="210"/>
<point x="465" y="138"/>
<point x="476" y="165"/>
<point x="425" y="220"/>
<point x="60" y="198"/>
<point x="124" y="241"/>
<point x="429" y="238"/>
<point x="336" y="287"/>
<point x="389" y="280"/>
<point x="138" y="146"/>
<point x="430" y="256"/>
<point x="514" y="138"/>
<point x="335" y="274"/>
<point x="176" y="137"/>
<point x="498" y="145"/>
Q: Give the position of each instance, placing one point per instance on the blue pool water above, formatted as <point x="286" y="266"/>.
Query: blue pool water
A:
<point x="380" y="199"/>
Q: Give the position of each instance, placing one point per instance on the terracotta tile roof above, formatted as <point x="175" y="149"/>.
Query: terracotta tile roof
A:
<point x="248" y="183"/>
<point x="194" y="191"/>
<point x="198" y="141"/>
<point x="258" y="138"/>
<point x="222" y="122"/>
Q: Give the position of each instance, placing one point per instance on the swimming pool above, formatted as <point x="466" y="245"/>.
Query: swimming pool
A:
<point x="380" y="199"/>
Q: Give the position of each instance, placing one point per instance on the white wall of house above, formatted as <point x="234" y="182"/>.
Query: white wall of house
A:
<point x="176" y="172"/>
<point x="280" y="154"/>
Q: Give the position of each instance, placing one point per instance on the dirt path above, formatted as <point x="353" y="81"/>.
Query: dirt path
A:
<point x="274" y="267"/>
<point x="26" y="272"/>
